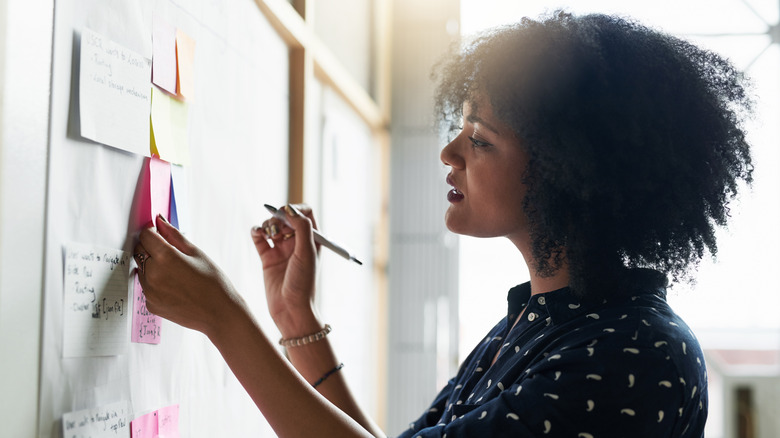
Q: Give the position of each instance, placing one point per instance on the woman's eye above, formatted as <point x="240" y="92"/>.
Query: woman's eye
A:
<point x="478" y="143"/>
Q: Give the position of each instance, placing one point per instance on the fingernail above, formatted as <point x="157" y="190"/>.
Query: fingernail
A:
<point x="256" y="230"/>
<point x="163" y="218"/>
<point x="291" y="211"/>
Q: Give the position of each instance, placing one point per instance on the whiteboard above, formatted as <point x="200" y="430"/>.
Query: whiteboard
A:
<point x="238" y="136"/>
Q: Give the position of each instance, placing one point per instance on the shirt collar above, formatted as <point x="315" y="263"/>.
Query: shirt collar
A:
<point x="563" y="304"/>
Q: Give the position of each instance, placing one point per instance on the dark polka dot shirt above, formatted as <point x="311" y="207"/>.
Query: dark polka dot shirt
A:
<point x="627" y="367"/>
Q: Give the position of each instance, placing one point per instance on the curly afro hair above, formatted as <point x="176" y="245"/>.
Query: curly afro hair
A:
<point x="635" y="140"/>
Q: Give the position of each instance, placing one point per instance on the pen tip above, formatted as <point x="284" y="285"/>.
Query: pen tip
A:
<point x="356" y="261"/>
<point x="270" y="207"/>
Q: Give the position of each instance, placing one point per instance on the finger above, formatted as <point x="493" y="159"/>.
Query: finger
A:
<point x="303" y="228"/>
<point x="154" y="244"/>
<point x="140" y="255"/>
<point x="174" y="236"/>
<point x="307" y="211"/>
<point x="273" y="228"/>
<point x="260" y="240"/>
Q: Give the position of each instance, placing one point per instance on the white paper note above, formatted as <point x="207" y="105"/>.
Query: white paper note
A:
<point x="114" y="94"/>
<point x="106" y="421"/>
<point x="96" y="306"/>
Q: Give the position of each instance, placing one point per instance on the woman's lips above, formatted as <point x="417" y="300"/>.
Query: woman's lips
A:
<point x="453" y="195"/>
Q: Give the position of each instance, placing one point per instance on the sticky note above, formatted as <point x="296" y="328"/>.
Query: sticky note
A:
<point x="108" y="421"/>
<point x="146" y="325"/>
<point x="163" y="423"/>
<point x="159" y="187"/>
<point x="185" y="57"/>
<point x="144" y="426"/>
<point x="164" y="55"/>
<point x="153" y="194"/>
<point x="180" y="205"/>
<point x="114" y="94"/>
<point x="168" y="422"/>
<point x="95" y="314"/>
<point x="169" y="127"/>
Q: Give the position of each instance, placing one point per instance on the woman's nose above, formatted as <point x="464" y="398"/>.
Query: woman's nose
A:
<point x="450" y="155"/>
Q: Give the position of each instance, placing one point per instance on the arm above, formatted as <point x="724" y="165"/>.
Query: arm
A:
<point x="183" y="285"/>
<point x="288" y="269"/>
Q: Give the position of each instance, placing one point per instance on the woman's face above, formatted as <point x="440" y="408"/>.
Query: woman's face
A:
<point x="487" y="164"/>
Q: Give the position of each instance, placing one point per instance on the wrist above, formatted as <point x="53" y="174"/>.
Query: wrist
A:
<point x="298" y="324"/>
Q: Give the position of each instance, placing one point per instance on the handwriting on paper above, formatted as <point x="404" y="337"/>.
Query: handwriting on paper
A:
<point x="95" y="301"/>
<point x="106" y="421"/>
<point x="114" y="94"/>
<point x="146" y="325"/>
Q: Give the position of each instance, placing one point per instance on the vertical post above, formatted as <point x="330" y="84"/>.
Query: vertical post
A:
<point x="301" y="83"/>
<point x="382" y="84"/>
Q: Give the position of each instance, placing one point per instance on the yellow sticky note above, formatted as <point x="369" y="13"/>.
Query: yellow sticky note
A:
<point x="185" y="55"/>
<point x="169" y="127"/>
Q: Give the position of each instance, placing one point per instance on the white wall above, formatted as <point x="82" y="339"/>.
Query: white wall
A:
<point x="25" y="62"/>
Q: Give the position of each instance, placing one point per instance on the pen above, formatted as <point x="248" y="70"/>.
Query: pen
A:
<point x="318" y="237"/>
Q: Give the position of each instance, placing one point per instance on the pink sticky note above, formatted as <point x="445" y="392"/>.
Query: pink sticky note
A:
<point x="154" y="192"/>
<point x="168" y="422"/>
<point x="164" y="55"/>
<point x="185" y="56"/>
<point x="159" y="187"/>
<point x="146" y="325"/>
<point x="144" y="426"/>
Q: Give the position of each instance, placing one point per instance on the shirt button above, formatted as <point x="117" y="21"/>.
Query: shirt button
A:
<point x="531" y="316"/>
<point x="541" y="301"/>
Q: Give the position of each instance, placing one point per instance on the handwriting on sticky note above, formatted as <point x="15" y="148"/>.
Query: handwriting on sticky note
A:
<point x="146" y="325"/>
<point x="168" y="422"/>
<point x="163" y="423"/>
<point x="144" y="426"/>
<point x="95" y="301"/>
<point x="114" y="94"/>
<point x="106" y="421"/>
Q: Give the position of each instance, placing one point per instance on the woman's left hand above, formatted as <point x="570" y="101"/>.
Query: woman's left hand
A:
<point x="180" y="282"/>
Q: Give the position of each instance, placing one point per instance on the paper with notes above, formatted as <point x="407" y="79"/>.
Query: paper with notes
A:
<point x="114" y="94"/>
<point x="95" y="303"/>
<point x="103" y="422"/>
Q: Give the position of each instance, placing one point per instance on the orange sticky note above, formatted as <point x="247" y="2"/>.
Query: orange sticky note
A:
<point x="185" y="55"/>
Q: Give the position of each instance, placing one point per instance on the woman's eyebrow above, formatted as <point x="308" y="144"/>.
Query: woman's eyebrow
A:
<point x="473" y="118"/>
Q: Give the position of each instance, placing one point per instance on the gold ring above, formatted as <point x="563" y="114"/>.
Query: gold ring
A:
<point x="288" y="235"/>
<point x="141" y="258"/>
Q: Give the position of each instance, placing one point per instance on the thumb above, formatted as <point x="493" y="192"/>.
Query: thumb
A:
<point x="174" y="236"/>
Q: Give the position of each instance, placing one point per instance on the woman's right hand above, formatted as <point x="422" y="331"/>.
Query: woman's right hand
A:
<point x="289" y="270"/>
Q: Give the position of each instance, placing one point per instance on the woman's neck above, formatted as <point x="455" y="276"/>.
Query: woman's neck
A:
<point x="539" y="283"/>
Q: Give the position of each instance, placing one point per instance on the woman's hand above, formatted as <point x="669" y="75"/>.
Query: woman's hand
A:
<point x="180" y="282"/>
<point x="289" y="270"/>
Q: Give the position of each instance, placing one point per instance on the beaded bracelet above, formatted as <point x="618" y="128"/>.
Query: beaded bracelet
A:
<point x="326" y="375"/>
<point x="314" y="337"/>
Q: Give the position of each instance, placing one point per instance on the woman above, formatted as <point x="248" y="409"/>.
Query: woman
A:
<point x="607" y="153"/>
